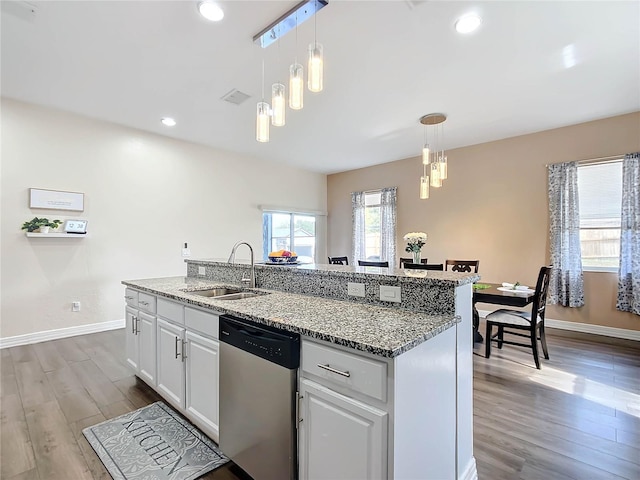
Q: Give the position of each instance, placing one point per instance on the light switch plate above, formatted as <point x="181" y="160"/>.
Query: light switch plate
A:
<point x="186" y="252"/>
<point x="355" y="289"/>
<point x="389" y="293"/>
<point x="202" y="270"/>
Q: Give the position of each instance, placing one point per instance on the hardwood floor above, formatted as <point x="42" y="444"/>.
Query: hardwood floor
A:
<point x="577" y="418"/>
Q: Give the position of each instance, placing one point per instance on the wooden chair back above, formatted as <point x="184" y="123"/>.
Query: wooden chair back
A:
<point x="463" y="266"/>
<point x="364" y="263"/>
<point x="410" y="260"/>
<point x="338" y="260"/>
<point x="424" y="266"/>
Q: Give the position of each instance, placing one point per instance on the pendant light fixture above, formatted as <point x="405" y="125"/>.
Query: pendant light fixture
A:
<point x="316" y="60"/>
<point x="262" y="116"/>
<point x="296" y="80"/>
<point x="267" y="36"/>
<point x="434" y="159"/>
<point x="278" y="101"/>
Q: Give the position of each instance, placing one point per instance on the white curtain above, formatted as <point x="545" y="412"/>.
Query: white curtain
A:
<point x="629" y="271"/>
<point x="566" y="285"/>
<point x="388" y="225"/>
<point x="357" y="213"/>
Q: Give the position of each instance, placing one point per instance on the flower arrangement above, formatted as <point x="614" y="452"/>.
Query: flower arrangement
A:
<point x="415" y="241"/>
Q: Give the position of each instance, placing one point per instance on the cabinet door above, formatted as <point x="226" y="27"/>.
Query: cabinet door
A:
<point x="147" y="347"/>
<point x="170" y="373"/>
<point x="131" y="338"/>
<point x="340" y="438"/>
<point x="202" y="382"/>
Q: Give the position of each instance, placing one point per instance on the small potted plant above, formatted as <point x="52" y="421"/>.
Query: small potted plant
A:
<point x="41" y="224"/>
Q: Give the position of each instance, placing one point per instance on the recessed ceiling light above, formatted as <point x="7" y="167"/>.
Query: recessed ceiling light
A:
<point x="468" y="23"/>
<point x="210" y="11"/>
<point x="168" y="121"/>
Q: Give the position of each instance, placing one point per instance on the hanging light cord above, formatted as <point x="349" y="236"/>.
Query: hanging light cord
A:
<point x="262" y="79"/>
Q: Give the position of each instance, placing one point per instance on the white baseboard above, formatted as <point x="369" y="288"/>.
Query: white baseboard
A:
<point x="470" y="472"/>
<point x="585" y="328"/>
<point x="60" y="333"/>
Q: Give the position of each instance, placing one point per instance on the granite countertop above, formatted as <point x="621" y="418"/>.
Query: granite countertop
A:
<point x="382" y="331"/>
<point x="347" y="271"/>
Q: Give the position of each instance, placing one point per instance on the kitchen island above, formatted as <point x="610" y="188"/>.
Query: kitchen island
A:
<point x="404" y="412"/>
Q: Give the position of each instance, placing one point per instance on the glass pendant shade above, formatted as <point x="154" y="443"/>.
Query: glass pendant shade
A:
<point x="314" y="80"/>
<point x="262" y="122"/>
<point x="443" y="167"/>
<point x="424" y="187"/>
<point x="296" y="86"/>
<point x="426" y="152"/>
<point x="278" y="103"/>
<point x="436" y="181"/>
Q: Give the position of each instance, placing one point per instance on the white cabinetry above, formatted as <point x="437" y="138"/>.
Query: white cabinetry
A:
<point x="188" y="362"/>
<point x="340" y="438"/>
<point x="201" y="397"/>
<point x="141" y="334"/>
<point x="343" y="415"/>
<point x="368" y="417"/>
<point x="171" y="362"/>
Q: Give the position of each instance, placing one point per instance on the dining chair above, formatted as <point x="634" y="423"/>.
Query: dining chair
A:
<point x="364" y="263"/>
<point x="409" y="260"/>
<point x="530" y="322"/>
<point x="424" y="266"/>
<point x="338" y="260"/>
<point x="463" y="266"/>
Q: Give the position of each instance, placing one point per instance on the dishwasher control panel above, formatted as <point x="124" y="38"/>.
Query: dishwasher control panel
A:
<point x="277" y="346"/>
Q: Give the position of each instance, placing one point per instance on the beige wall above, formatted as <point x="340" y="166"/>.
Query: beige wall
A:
<point x="494" y="207"/>
<point x="145" y="195"/>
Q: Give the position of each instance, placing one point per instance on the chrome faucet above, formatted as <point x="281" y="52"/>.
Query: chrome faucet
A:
<point x="232" y="259"/>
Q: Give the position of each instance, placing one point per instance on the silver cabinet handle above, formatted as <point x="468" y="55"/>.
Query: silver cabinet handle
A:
<point x="128" y="297"/>
<point x="177" y="340"/>
<point x="133" y="324"/>
<point x="333" y="370"/>
<point x="184" y="348"/>
<point x="143" y="303"/>
<point x="137" y="329"/>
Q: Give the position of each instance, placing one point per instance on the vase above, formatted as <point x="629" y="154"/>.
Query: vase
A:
<point x="44" y="229"/>
<point x="416" y="256"/>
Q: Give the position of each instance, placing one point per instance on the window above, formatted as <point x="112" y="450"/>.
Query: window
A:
<point x="374" y="225"/>
<point x="289" y="231"/>
<point x="372" y="238"/>
<point x="600" y="197"/>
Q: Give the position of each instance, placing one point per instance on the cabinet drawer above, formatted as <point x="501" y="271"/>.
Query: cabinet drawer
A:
<point x="146" y="302"/>
<point x="173" y="311"/>
<point x="202" y="322"/>
<point x="357" y="373"/>
<point x="131" y="297"/>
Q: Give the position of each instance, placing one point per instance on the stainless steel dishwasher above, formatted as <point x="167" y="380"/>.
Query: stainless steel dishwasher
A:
<point x="258" y="414"/>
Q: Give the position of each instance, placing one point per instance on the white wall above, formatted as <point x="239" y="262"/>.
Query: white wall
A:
<point x="145" y="195"/>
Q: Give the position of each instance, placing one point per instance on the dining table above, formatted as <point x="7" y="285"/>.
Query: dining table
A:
<point x="495" y="293"/>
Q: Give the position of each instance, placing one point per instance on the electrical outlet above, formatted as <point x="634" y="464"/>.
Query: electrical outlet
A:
<point x="186" y="252"/>
<point x="202" y="271"/>
<point x="389" y="293"/>
<point x="355" y="289"/>
<point x="75" y="306"/>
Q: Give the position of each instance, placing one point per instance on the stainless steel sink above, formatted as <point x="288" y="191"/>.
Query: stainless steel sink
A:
<point x="224" y="293"/>
<point x="239" y="296"/>
<point x="215" y="292"/>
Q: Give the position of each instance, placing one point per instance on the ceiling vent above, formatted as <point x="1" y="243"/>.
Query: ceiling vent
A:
<point x="235" y="96"/>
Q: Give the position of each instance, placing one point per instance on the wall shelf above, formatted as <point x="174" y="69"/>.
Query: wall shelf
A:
<point x="55" y="235"/>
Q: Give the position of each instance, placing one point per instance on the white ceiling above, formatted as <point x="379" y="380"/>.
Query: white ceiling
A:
<point x="387" y="63"/>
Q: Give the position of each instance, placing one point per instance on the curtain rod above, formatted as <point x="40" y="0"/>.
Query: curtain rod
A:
<point x="593" y="160"/>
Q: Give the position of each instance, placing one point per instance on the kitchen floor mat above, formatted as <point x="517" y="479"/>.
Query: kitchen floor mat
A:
<point x="153" y="443"/>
